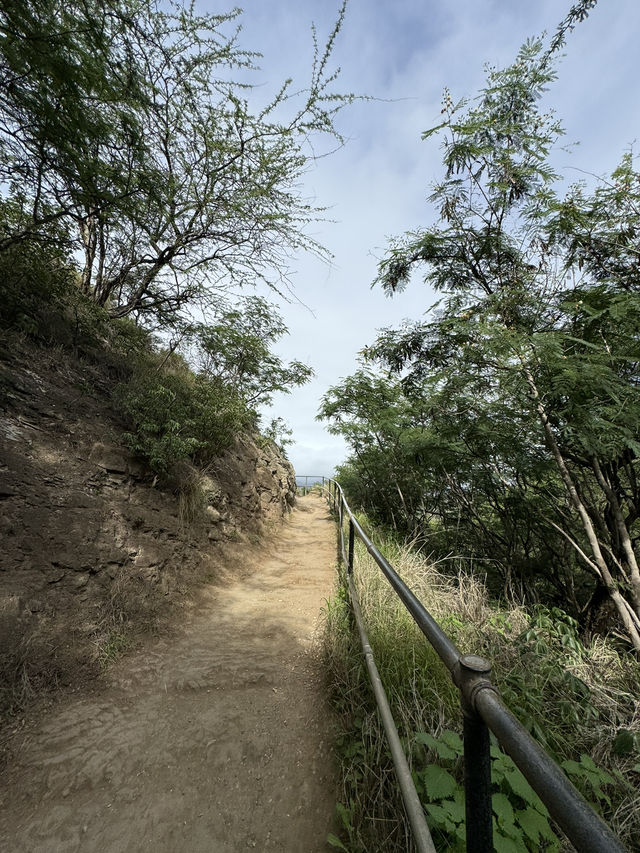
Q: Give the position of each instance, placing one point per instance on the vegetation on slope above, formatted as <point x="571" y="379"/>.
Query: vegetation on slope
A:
<point x="578" y="700"/>
<point x="504" y="427"/>
<point x="172" y="412"/>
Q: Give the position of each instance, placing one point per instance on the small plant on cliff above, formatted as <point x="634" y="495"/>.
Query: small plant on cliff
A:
<point x="179" y="416"/>
<point x="279" y="433"/>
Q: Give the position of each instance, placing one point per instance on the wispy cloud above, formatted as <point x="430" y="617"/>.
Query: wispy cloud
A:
<point x="404" y="53"/>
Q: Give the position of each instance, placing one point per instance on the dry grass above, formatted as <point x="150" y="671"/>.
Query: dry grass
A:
<point x="37" y="659"/>
<point x="188" y="481"/>
<point x="574" y="699"/>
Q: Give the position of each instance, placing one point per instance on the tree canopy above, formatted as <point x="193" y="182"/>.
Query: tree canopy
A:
<point x="236" y="349"/>
<point x="522" y="385"/>
<point x="129" y="133"/>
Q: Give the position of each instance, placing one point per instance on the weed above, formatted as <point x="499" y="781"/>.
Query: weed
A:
<point x="35" y="659"/>
<point x="113" y="646"/>
<point x="189" y="483"/>
<point x="579" y="701"/>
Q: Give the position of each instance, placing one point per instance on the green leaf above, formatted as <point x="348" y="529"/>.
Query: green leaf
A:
<point x="572" y="768"/>
<point x="623" y="743"/>
<point x="427" y="133"/>
<point x="334" y="841"/>
<point x="502" y="809"/>
<point x="534" y="825"/>
<point x="519" y="785"/>
<point x="453" y="740"/>
<point x="345" y="815"/>
<point x="438" y="782"/>
<point x="504" y="844"/>
<point x="455" y="808"/>
<point x="440" y="817"/>
<point x="461" y="832"/>
<point x="588" y="762"/>
<point x="438" y="746"/>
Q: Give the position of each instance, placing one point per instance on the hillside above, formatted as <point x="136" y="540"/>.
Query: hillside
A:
<point x="96" y="548"/>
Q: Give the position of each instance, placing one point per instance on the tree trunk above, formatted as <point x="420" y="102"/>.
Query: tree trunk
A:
<point x="89" y="242"/>
<point x="625" y="539"/>
<point x="607" y="579"/>
<point x="592" y="608"/>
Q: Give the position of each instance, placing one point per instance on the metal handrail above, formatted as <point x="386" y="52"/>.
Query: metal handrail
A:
<point x="483" y="711"/>
<point x="318" y="479"/>
<point x="421" y="835"/>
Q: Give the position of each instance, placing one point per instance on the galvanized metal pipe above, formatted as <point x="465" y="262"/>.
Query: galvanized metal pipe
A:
<point x="421" y="835"/>
<point x="582" y="826"/>
<point x="446" y="649"/>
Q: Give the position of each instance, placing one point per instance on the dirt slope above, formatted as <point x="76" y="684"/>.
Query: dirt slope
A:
<point x="94" y="551"/>
<point x="217" y="739"/>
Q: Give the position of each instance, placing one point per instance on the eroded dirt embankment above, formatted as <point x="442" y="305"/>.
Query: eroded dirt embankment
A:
<point x="94" y="549"/>
<point x="216" y="739"/>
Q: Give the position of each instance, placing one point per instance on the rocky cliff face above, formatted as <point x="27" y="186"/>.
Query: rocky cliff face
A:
<point x="251" y="482"/>
<point x="92" y="550"/>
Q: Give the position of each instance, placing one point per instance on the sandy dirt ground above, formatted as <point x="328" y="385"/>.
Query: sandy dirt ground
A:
<point x="215" y="739"/>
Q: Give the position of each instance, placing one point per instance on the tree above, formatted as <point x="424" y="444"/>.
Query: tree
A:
<point x="237" y="351"/>
<point x="383" y="427"/>
<point x="70" y="96"/>
<point x="129" y="122"/>
<point x="447" y="466"/>
<point x="537" y="326"/>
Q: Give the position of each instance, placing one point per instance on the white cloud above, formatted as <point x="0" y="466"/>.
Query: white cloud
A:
<point x="377" y="186"/>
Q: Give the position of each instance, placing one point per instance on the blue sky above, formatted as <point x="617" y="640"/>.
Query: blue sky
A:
<point x="404" y="53"/>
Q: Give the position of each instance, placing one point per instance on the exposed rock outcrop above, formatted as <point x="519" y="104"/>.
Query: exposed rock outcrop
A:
<point x="89" y="541"/>
<point x="250" y="480"/>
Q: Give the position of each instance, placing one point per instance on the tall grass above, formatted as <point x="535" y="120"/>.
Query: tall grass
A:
<point x="580" y="702"/>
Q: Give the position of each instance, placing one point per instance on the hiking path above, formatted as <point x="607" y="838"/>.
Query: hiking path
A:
<point x="216" y="737"/>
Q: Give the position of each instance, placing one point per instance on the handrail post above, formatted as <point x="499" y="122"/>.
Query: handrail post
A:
<point x="351" y="544"/>
<point x="472" y="673"/>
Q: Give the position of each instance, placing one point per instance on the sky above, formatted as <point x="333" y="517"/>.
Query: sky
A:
<point x="403" y="53"/>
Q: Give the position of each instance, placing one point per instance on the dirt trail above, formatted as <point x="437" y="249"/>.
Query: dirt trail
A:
<point x="217" y="739"/>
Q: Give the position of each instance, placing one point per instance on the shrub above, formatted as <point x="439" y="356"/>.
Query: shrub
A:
<point x="577" y="700"/>
<point x="32" y="282"/>
<point x="179" y="416"/>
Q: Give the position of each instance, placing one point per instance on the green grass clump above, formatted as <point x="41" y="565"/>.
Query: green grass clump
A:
<point x="578" y="701"/>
